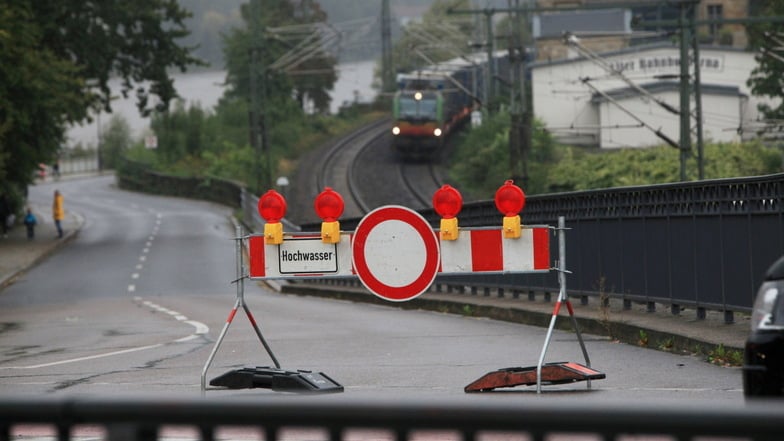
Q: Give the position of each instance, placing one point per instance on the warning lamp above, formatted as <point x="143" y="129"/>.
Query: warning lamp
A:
<point x="510" y="200"/>
<point x="447" y="202"/>
<point x="272" y="207"/>
<point x="329" y="206"/>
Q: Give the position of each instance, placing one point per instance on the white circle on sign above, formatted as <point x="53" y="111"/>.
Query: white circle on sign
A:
<point x="395" y="253"/>
<point x="402" y="243"/>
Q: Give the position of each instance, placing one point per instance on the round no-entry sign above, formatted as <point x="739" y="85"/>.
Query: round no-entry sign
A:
<point x="395" y="253"/>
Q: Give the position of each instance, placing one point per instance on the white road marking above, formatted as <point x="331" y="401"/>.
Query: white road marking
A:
<point x="200" y="329"/>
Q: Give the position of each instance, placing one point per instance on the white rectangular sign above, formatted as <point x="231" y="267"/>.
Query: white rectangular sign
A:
<point x="300" y="255"/>
<point x="305" y="256"/>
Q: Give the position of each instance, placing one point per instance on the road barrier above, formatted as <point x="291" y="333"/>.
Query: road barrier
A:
<point x="396" y="255"/>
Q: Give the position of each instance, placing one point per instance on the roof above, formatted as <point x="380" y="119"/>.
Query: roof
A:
<point x="664" y="86"/>
<point x="597" y="21"/>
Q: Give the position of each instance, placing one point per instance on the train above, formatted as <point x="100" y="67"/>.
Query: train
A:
<point x="430" y="104"/>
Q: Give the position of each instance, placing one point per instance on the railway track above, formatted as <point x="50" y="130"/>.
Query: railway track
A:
<point x="363" y="168"/>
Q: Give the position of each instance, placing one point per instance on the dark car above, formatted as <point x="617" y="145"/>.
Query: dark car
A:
<point x="763" y="367"/>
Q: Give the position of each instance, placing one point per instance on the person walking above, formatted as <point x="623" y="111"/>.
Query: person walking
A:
<point x="29" y="222"/>
<point x="58" y="212"/>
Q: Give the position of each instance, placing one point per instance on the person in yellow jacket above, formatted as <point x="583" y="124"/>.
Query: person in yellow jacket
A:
<point x="58" y="212"/>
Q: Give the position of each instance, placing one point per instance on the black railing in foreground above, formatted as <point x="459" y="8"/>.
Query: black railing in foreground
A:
<point x="475" y="417"/>
<point x="704" y="245"/>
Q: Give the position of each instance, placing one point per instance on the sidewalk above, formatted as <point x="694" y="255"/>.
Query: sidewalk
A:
<point x="18" y="253"/>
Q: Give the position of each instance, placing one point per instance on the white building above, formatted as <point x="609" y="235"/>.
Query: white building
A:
<point x="614" y="114"/>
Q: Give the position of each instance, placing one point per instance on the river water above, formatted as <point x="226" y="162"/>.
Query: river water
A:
<point x="205" y="89"/>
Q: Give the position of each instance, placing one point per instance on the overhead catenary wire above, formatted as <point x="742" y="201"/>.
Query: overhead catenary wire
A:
<point x="657" y="132"/>
<point x="574" y="42"/>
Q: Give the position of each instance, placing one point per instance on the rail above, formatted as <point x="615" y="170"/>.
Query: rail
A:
<point x="337" y="418"/>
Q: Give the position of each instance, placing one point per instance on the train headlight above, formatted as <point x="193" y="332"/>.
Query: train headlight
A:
<point x="418" y="96"/>
<point x="437" y="132"/>
<point x="396" y="130"/>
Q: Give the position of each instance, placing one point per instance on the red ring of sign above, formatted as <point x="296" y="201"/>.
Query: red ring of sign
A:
<point x="432" y="253"/>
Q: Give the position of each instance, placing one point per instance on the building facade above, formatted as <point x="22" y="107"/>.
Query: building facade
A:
<point x="582" y="103"/>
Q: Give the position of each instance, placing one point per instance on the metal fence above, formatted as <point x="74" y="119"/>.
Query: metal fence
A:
<point x="704" y="245"/>
<point x="337" y="418"/>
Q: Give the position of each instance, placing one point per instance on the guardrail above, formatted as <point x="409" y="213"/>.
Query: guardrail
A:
<point x="337" y="418"/>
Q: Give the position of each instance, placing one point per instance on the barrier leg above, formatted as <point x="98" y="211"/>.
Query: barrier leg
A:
<point x="240" y="302"/>
<point x="217" y="344"/>
<point x="273" y="378"/>
<point x="550" y="373"/>
<point x="563" y="297"/>
<point x="261" y="337"/>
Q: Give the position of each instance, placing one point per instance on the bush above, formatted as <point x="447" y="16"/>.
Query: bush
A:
<point x="482" y="162"/>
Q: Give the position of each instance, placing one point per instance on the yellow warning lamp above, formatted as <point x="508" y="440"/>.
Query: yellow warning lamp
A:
<point x="510" y="200"/>
<point x="272" y="207"/>
<point x="329" y="206"/>
<point x="448" y="202"/>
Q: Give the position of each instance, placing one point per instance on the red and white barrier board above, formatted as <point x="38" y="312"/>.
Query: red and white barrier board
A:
<point x="481" y="250"/>
<point x="484" y="250"/>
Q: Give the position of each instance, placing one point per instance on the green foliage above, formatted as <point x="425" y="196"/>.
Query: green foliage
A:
<point x="195" y="142"/>
<point x="114" y="141"/>
<point x="725" y="357"/>
<point x="768" y="78"/>
<point x="55" y="62"/>
<point x="415" y="49"/>
<point x="481" y="162"/>
<point x="40" y="93"/>
<point x="580" y="169"/>
<point x="242" y="44"/>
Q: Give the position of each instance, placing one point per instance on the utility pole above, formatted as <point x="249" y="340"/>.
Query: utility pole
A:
<point x="686" y="22"/>
<point x="387" y="61"/>
<point x="258" y="92"/>
<point x="519" y="131"/>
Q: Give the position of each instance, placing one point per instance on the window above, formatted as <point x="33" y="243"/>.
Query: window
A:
<point x="715" y="12"/>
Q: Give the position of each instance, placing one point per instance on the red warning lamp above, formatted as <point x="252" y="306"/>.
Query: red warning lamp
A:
<point x="448" y="202"/>
<point x="272" y="207"/>
<point x="510" y="200"/>
<point x="329" y="206"/>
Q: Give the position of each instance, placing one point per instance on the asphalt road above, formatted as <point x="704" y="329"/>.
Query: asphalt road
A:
<point x="135" y="303"/>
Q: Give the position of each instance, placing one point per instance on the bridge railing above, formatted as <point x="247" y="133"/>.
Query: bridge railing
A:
<point x="336" y="418"/>
<point x="704" y="245"/>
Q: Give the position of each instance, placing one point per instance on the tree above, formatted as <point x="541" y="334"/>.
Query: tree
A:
<point x="438" y="37"/>
<point x="767" y="79"/>
<point x="56" y="59"/>
<point x="313" y="78"/>
<point x="40" y="93"/>
<point x="114" y="141"/>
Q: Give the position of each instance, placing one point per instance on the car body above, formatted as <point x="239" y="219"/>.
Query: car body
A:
<point x="763" y="367"/>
